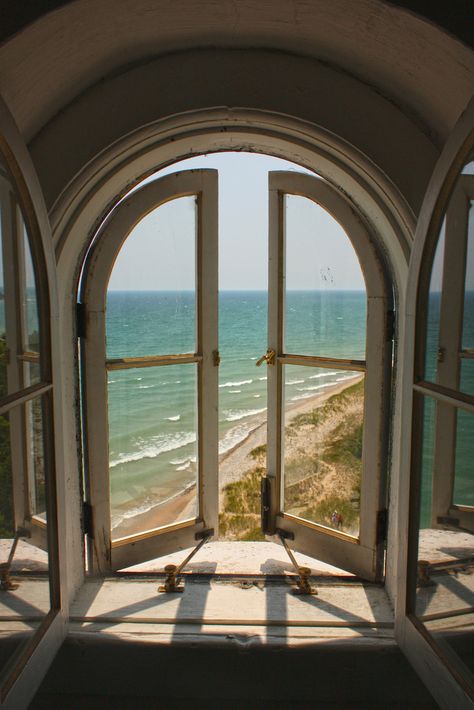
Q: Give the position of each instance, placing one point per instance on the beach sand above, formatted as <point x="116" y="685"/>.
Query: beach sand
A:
<point x="232" y="466"/>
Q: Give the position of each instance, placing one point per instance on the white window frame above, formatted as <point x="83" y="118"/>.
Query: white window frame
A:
<point x="106" y="555"/>
<point x="20" y="680"/>
<point x="364" y="555"/>
<point x="442" y="671"/>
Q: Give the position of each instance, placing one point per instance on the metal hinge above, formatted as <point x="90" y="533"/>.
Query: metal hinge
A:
<point x="390" y="325"/>
<point x="382" y="526"/>
<point x="81" y="320"/>
<point x="216" y="358"/>
<point x="87" y="524"/>
<point x="265" y="491"/>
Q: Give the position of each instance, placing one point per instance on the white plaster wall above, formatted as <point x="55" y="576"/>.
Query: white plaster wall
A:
<point x="413" y="63"/>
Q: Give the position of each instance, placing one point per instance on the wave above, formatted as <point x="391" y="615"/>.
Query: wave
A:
<point x="235" y="415"/>
<point x="147" y="505"/>
<point x="236" y="384"/>
<point x="294" y="382"/>
<point x="262" y="379"/>
<point x="313" y="388"/>
<point x="322" y="374"/>
<point x="176" y="418"/>
<point x="154" y="448"/>
<point x="145" y="387"/>
<point x="111" y="382"/>
<point x="180" y="462"/>
<point x="235" y="391"/>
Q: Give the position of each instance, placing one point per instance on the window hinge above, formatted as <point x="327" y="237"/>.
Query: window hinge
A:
<point x="87" y="526"/>
<point x="390" y="325"/>
<point x="265" y="491"/>
<point x="382" y="526"/>
<point x="81" y="320"/>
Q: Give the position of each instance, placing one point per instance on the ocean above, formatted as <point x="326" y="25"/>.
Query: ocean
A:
<point x="152" y="427"/>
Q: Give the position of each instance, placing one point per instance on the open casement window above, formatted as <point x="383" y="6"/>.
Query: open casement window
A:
<point x="31" y="616"/>
<point x="330" y="502"/>
<point x="452" y="364"/>
<point x="128" y="477"/>
<point x="434" y="621"/>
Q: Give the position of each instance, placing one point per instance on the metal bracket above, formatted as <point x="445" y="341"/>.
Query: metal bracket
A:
<point x="6" y="584"/>
<point x="304" y="573"/>
<point x="171" y="584"/>
<point x="216" y="358"/>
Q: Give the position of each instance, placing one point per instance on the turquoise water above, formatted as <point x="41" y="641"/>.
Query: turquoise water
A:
<point x="152" y="428"/>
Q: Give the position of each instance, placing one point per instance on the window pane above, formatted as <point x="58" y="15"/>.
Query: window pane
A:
<point x="325" y="298"/>
<point x="35" y="453"/>
<point x="434" y="310"/>
<point x="468" y="323"/>
<point x="3" y="337"/>
<point x="464" y="475"/>
<point x="30" y="301"/>
<point x="151" y="298"/>
<point x="323" y="419"/>
<point x="152" y="447"/>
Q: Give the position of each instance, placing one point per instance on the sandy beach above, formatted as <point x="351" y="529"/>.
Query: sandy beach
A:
<point x="232" y="466"/>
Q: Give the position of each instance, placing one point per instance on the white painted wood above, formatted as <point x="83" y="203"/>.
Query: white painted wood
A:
<point x="106" y="555"/>
<point x="19" y="684"/>
<point x="446" y="676"/>
<point x="450" y="344"/>
<point x="363" y="556"/>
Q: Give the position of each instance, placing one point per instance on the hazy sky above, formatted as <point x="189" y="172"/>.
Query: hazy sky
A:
<point x="159" y="253"/>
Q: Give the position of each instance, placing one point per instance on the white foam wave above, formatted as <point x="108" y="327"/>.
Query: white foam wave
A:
<point x="145" y="387"/>
<point x="176" y="418"/>
<point x="262" y="379"/>
<point x="313" y="388"/>
<point x="294" y="382"/>
<point x="236" y="384"/>
<point x="233" y="415"/>
<point x="111" y="382"/>
<point x="156" y="446"/>
<point x="257" y="396"/>
<point x="322" y="374"/>
<point x="235" y="391"/>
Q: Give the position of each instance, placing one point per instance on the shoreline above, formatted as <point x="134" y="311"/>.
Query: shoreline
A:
<point x="233" y="464"/>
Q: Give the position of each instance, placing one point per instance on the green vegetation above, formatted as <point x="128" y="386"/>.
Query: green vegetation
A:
<point x="323" y="464"/>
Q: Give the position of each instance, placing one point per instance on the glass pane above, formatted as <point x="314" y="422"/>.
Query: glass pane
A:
<point x="434" y="309"/>
<point x="151" y="297"/>
<point x="30" y="301"/>
<point x="3" y="337"/>
<point x="464" y="474"/>
<point x="325" y="298"/>
<point x="323" y="419"/>
<point x="152" y="447"/>
<point x="24" y="597"/>
<point x="467" y="376"/>
<point x="468" y="323"/>
<point x="35" y="453"/>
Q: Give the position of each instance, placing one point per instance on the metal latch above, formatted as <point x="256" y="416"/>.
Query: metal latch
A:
<point x="269" y="358"/>
<point x="216" y="358"/>
<point x="171" y="584"/>
<point x="304" y="573"/>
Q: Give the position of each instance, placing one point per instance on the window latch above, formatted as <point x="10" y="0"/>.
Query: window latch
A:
<point x="269" y="358"/>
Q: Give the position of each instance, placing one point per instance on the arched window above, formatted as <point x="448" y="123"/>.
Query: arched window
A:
<point x="331" y="503"/>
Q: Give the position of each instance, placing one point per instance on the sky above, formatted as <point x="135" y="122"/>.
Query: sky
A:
<point x="159" y="253"/>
